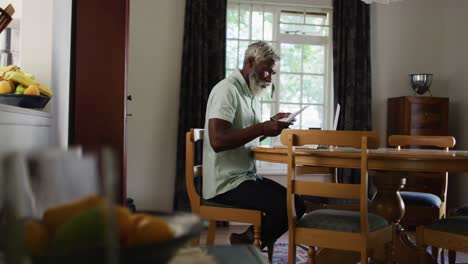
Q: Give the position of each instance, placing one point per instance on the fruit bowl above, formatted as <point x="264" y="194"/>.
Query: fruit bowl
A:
<point x="185" y="226"/>
<point x="25" y="101"/>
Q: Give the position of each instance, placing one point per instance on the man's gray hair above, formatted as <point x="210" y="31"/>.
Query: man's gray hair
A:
<point x="261" y="51"/>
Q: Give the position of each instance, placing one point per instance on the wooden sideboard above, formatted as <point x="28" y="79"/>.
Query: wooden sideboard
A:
<point x="417" y="115"/>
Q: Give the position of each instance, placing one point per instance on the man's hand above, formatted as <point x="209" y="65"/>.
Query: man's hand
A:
<point x="273" y="128"/>
<point x="278" y="116"/>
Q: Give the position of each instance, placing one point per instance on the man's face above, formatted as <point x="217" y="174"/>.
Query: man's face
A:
<point x="260" y="76"/>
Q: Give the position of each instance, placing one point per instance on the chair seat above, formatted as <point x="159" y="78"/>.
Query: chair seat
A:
<point x="340" y="220"/>
<point x="215" y="204"/>
<point x="455" y="225"/>
<point x="463" y="210"/>
<point x="421" y="199"/>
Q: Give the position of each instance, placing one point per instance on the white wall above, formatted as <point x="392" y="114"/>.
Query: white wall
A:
<point x="455" y="72"/>
<point x="405" y="38"/>
<point x="422" y="36"/>
<point x="155" y="54"/>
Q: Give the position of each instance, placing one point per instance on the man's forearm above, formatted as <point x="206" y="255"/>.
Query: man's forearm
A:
<point x="229" y="138"/>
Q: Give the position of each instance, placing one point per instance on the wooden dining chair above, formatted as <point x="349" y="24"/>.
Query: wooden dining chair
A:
<point x="450" y="233"/>
<point x="425" y="194"/>
<point x="210" y="210"/>
<point x="357" y="231"/>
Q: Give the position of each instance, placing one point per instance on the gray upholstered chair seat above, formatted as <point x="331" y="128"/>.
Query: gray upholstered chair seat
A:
<point x="455" y="225"/>
<point x="421" y="199"/>
<point x="340" y="220"/>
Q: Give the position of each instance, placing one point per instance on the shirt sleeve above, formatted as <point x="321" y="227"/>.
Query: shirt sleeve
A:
<point x="223" y="103"/>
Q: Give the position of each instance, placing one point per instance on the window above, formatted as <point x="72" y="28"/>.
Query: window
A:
<point x="302" y="36"/>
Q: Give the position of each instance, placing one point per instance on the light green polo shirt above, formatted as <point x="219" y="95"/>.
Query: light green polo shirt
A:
<point x="230" y="100"/>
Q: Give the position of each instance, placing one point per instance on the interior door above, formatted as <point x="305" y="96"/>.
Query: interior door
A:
<point x="98" y="77"/>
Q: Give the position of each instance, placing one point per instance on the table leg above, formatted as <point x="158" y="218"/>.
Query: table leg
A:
<point x="389" y="204"/>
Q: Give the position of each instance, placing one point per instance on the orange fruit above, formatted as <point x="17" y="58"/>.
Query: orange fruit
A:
<point x="58" y="215"/>
<point x="124" y="222"/>
<point x="36" y="237"/>
<point x="5" y="87"/>
<point x="32" y="90"/>
<point x="149" y="229"/>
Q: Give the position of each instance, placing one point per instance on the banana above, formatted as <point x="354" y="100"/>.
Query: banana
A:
<point x="22" y="79"/>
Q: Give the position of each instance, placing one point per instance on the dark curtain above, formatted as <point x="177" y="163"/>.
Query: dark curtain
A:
<point x="352" y="69"/>
<point x="203" y="65"/>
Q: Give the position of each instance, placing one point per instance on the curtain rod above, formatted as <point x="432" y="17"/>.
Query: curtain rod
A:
<point x="277" y="4"/>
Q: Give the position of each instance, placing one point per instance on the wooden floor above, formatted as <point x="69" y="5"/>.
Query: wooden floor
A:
<point x="222" y="238"/>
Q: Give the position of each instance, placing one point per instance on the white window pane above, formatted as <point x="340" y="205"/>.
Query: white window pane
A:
<point x="303" y="30"/>
<point x="290" y="90"/>
<point x="312" y="117"/>
<point x="231" y="54"/>
<point x="242" y="47"/>
<point x="232" y="21"/>
<point x="313" y="89"/>
<point x="244" y="24"/>
<point x="268" y="27"/>
<point x="257" y="27"/>
<point x="292" y="18"/>
<point x="314" y="59"/>
<point x="291" y="58"/>
<point x="316" y="19"/>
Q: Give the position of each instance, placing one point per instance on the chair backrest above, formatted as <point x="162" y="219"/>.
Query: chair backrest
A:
<point x="425" y="182"/>
<point x="399" y="141"/>
<point x="355" y="139"/>
<point x="192" y="171"/>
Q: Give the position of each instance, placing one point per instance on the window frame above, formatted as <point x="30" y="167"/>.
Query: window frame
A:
<point x="278" y="38"/>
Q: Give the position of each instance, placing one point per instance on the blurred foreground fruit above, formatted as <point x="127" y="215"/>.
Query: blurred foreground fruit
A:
<point x="56" y="216"/>
<point x="149" y="229"/>
<point x="36" y="237"/>
<point x="85" y="230"/>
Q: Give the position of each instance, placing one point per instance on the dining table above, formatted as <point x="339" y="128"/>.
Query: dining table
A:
<point x="389" y="162"/>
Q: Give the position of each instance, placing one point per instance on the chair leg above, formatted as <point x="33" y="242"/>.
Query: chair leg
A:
<point x="442" y="256"/>
<point x="196" y="242"/>
<point x="364" y="257"/>
<point x="435" y="252"/>
<point x="311" y="254"/>
<point x="270" y="253"/>
<point x="452" y="256"/>
<point x="291" y="248"/>
<point x="211" y="233"/>
<point x="257" y="237"/>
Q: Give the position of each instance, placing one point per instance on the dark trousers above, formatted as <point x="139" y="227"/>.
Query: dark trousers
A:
<point x="267" y="196"/>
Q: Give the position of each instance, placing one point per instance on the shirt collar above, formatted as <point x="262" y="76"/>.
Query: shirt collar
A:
<point x="239" y="78"/>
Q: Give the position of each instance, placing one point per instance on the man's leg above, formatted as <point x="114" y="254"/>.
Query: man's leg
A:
<point x="269" y="197"/>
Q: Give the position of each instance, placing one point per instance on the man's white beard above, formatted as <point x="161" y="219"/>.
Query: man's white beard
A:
<point x="257" y="87"/>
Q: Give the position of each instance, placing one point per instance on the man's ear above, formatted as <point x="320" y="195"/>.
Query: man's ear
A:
<point x="251" y="61"/>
